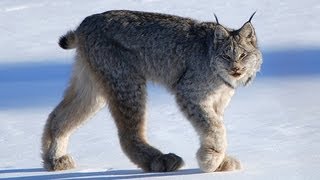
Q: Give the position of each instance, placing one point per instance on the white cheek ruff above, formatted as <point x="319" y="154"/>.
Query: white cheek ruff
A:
<point x="226" y="82"/>
<point x="248" y="81"/>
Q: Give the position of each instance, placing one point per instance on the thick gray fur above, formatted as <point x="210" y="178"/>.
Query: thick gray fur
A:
<point x="117" y="52"/>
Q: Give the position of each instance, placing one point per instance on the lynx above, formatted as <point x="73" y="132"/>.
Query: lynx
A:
<point x="119" y="51"/>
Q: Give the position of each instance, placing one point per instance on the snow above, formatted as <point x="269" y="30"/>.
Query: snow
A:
<point x="31" y="28"/>
<point x="272" y="125"/>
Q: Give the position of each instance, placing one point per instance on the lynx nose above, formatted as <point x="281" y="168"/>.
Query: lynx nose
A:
<point x="235" y="69"/>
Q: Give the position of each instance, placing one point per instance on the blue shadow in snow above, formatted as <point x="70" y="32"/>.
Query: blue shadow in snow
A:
<point x="291" y="63"/>
<point x="38" y="84"/>
<point x="109" y="174"/>
<point x="29" y="170"/>
<point x="24" y="85"/>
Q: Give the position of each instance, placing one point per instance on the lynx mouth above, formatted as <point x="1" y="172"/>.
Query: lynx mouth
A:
<point x="235" y="74"/>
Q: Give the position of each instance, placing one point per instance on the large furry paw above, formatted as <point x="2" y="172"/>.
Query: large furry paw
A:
<point x="229" y="164"/>
<point x="209" y="159"/>
<point x="63" y="163"/>
<point x="166" y="163"/>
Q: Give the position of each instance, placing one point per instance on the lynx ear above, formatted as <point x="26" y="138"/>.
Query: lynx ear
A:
<point x="247" y="29"/>
<point x="220" y="33"/>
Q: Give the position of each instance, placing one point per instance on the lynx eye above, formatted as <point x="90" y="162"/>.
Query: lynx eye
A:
<point x="242" y="55"/>
<point x="226" y="57"/>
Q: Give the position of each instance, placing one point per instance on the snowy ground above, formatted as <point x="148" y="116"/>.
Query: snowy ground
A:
<point x="273" y="125"/>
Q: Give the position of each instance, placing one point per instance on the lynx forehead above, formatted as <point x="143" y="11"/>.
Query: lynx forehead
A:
<point x="118" y="52"/>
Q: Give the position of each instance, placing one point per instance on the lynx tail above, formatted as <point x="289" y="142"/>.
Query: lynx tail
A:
<point x="69" y="40"/>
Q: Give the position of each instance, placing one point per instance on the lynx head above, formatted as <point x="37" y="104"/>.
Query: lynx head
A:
<point x="236" y="56"/>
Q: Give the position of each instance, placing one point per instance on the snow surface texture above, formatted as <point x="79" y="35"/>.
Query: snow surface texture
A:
<point x="273" y="125"/>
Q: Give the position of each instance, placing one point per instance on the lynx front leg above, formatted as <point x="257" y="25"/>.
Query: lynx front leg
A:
<point x="128" y="106"/>
<point x="229" y="164"/>
<point x="207" y="120"/>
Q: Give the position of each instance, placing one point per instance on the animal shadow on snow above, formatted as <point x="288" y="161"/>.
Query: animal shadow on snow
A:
<point x="109" y="174"/>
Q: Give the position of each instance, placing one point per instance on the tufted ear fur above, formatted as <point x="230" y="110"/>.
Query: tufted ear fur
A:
<point x="247" y="30"/>
<point x="220" y="33"/>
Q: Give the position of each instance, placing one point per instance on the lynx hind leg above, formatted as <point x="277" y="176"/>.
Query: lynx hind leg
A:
<point x="82" y="98"/>
<point x="127" y="103"/>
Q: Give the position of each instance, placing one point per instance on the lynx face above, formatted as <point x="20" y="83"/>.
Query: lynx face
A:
<point x="237" y="57"/>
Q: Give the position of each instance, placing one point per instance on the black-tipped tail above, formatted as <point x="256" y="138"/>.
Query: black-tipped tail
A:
<point x="68" y="41"/>
<point x="63" y="42"/>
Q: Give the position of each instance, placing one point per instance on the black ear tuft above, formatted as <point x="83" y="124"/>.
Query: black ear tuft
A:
<point x="215" y="16"/>
<point x="247" y="29"/>
<point x="251" y="17"/>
